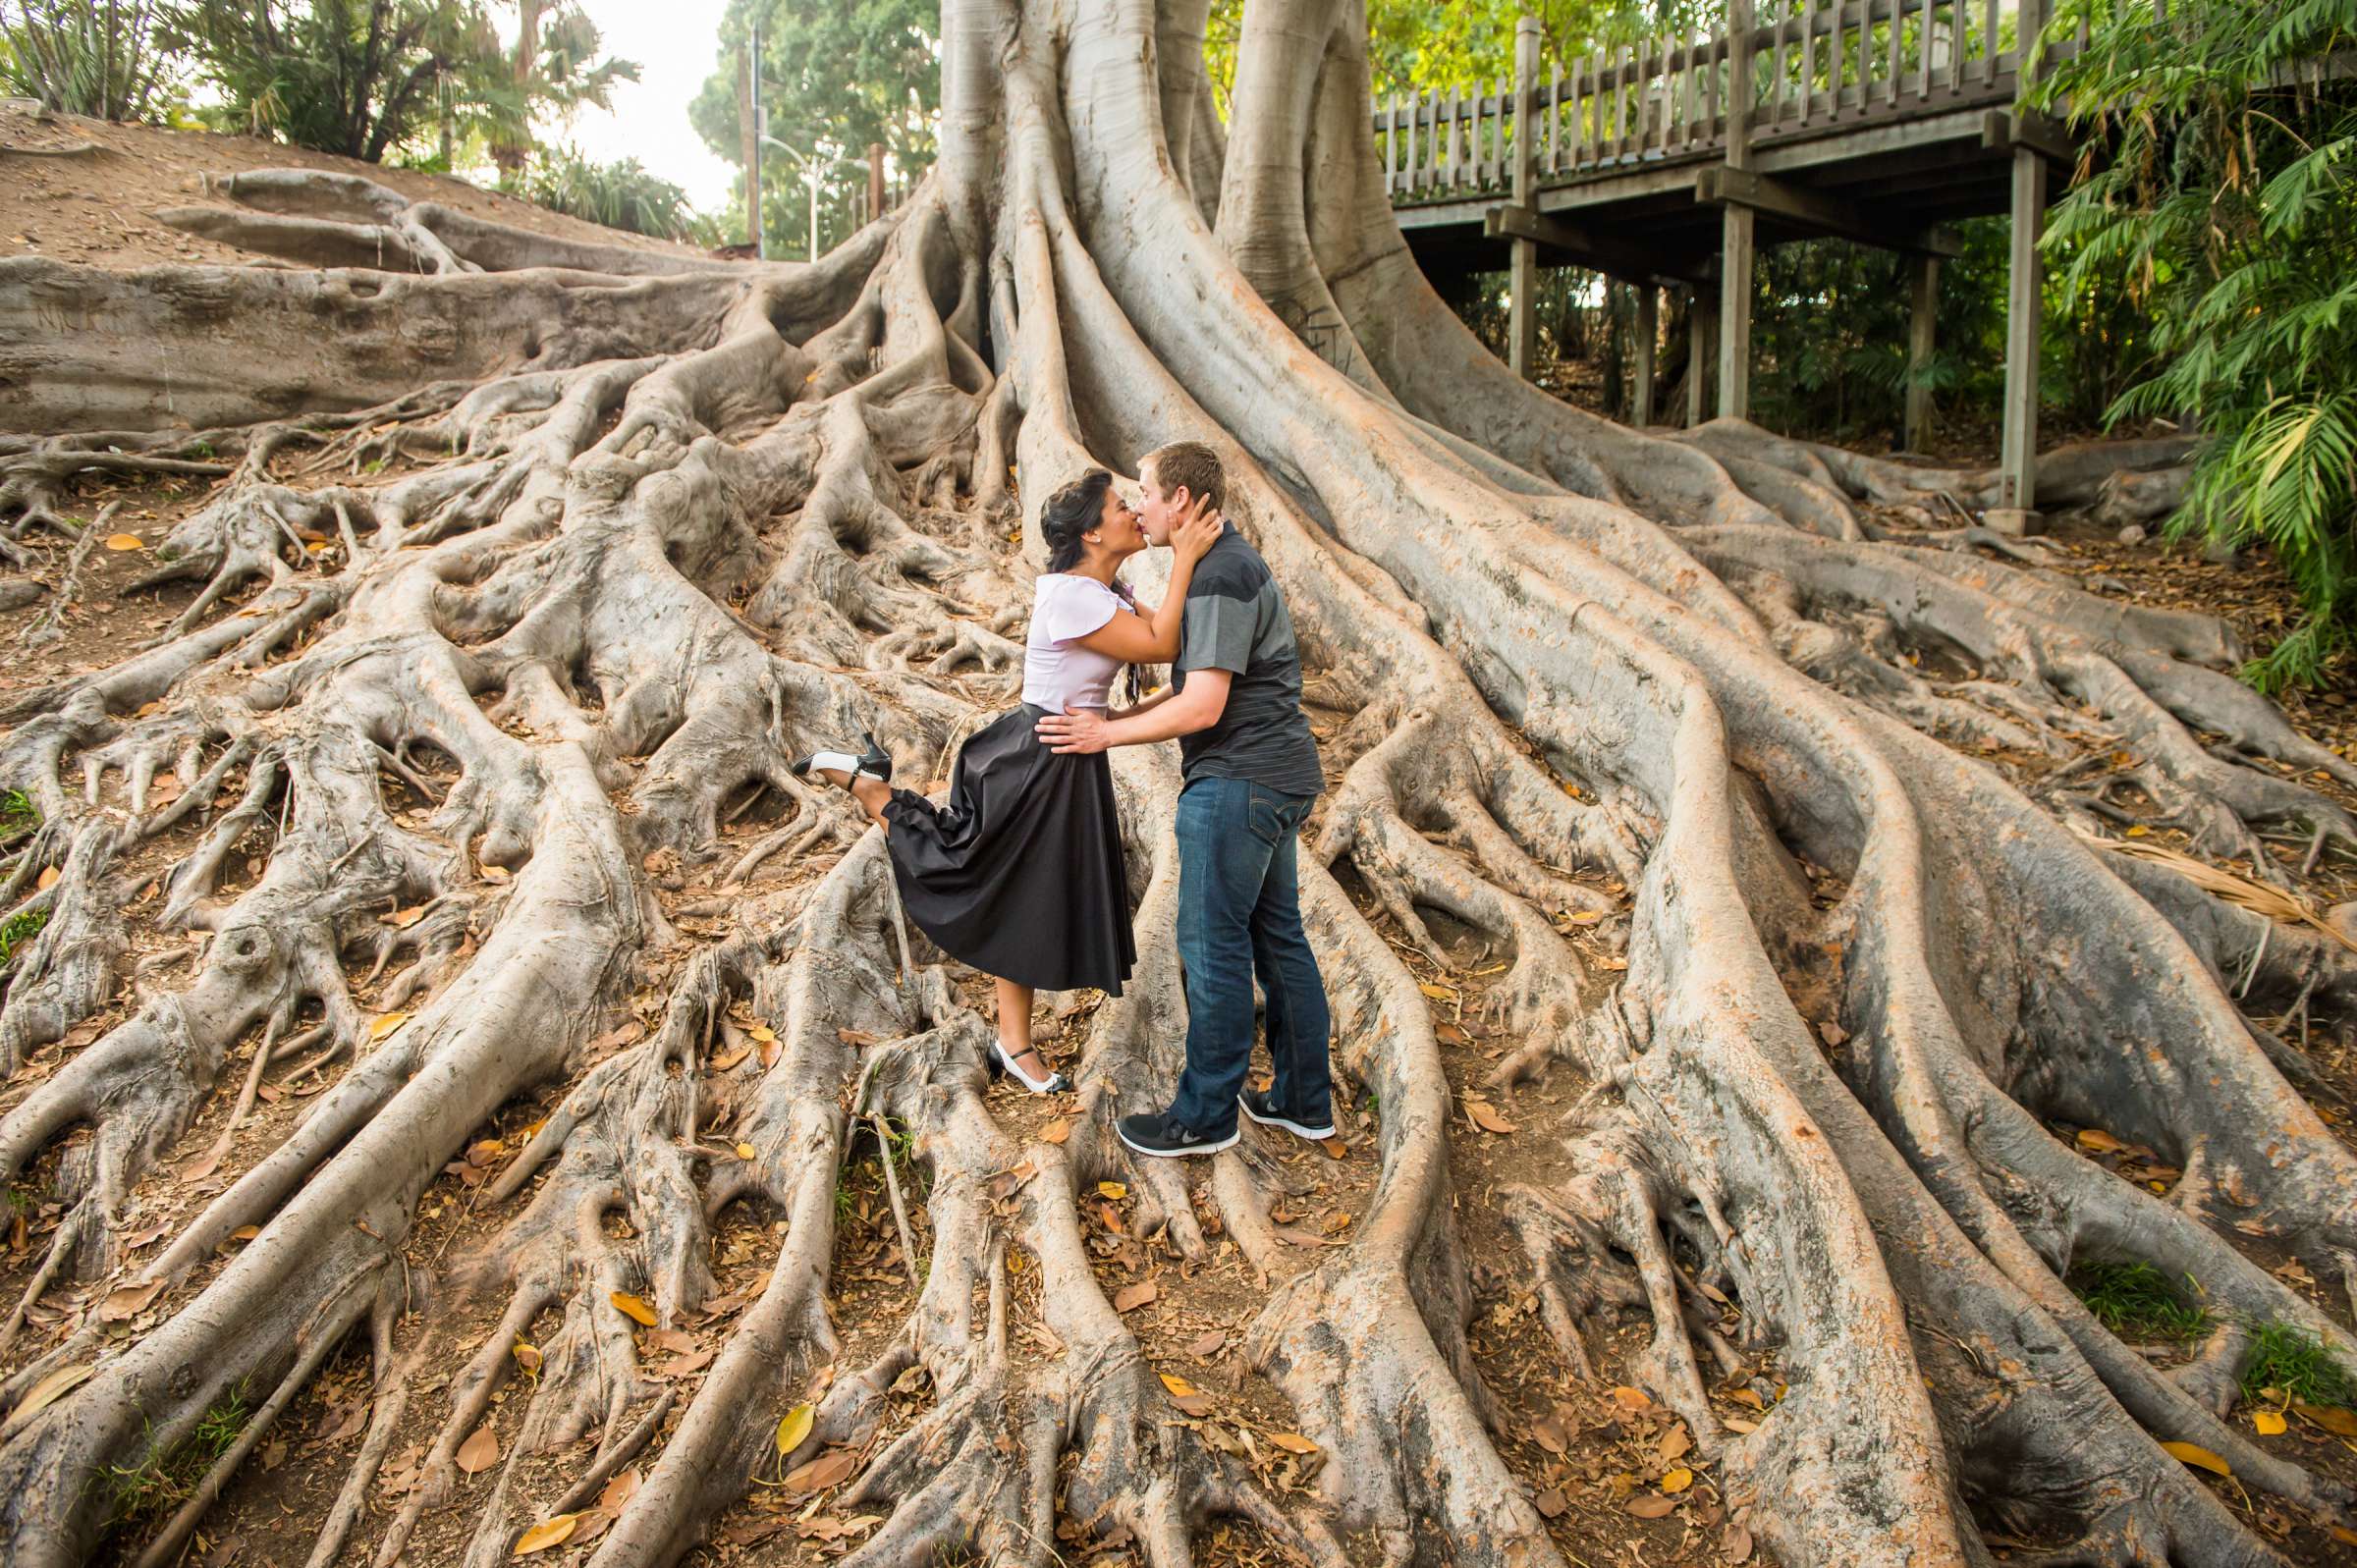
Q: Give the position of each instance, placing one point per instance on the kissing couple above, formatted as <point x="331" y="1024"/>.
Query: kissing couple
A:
<point x="1018" y="872"/>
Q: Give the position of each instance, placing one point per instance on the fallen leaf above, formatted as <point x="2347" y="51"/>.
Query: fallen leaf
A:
<point x="1677" y="1480"/>
<point x="1675" y="1444"/>
<point x="124" y="541"/>
<point x="403" y="919"/>
<point x="682" y="1365"/>
<point x="2102" y="1142"/>
<point x="1439" y="993"/>
<point x="1205" y="1346"/>
<point x="526" y="1354"/>
<point x="1114" y="1190"/>
<point x="1650" y="1506"/>
<point x="47" y="878"/>
<point x="2195" y="1454"/>
<point x="632" y="1308"/>
<point x="620" y="1490"/>
<point x="1449" y="1033"/>
<point x="1177" y="1385"/>
<point x="1833" y="1031"/>
<point x="386" y="1025"/>
<point x="594" y="1521"/>
<point x="1293" y="1442"/>
<point x="795" y="1429"/>
<point x="244" y="1232"/>
<point x="1631" y="1399"/>
<point x="2344" y="1535"/>
<point x="745" y="1151"/>
<point x="546" y="1533"/>
<point x="127" y="1301"/>
<point x="728" y="1059"/>
<point x="479" y="1452"/>
<point x="1738" y="1424"/>
<point x="1485" y="1116"/>
<point x="762" y="1033"/>
<point x="2332" y="1418"/>
<point x="2269" y="1422"/>
<point x="1736" y="1544"/>
<point x="1550" y="1503"/>
<point x="1548" y="1433"/>
<point x="828" y="1470"/>
<point x="1055" y="1131"/>
<point x="1131" y="1297"/>
<point x="50" y="1390"/>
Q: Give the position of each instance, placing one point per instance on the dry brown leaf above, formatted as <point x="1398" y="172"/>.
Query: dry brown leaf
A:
<point x="50" y="1390"/>
<point x="1114" y="1190"/>
<point x="1439" y="993"/>
<point x="125" y="1302"/>
<point x="2102" y="1142"/>
<point x="1293" y="1442"/>
<point x="1055" y="1131"/>
<point x="386" y="1024"/>
<point x="620" y="1490"/>
<point x="1550" y="1503"/>
<point x="632" y="1308"/>
<point x="546" y="1533"/>
<point x="46" y="880"/>
<point x="1205" y="1346"/>
<point x="1650" y="1506"/>
<point x="1131" y="1297"/>
<point x="1485" y="1116"/>
<point x="1548" y="1434"/>
<point x="526" y="1354"/>
<point x="1736" y="1544"/>
<point x="1636" y="1398"/>
<point x="403" y="919"/>
<point x="124" y="541"/>
<point x="727" y="1060"/>
<point x="591" y="1523"/>
<point x="828" y="1470"/>
<point x="1738" y="1424"/>
<point x="479" y="1452"/>
<point x="1676" y="1442"/>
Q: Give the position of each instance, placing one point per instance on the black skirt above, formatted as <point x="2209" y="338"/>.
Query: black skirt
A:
<point x="1020" y="872"/>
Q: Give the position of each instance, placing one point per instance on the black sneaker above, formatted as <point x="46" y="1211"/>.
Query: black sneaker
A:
<point x="1261" y="1109"/>
<point x="1158" y="1132"/>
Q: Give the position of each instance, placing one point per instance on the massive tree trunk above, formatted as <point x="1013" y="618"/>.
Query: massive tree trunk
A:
<point x="1677" y="727"/>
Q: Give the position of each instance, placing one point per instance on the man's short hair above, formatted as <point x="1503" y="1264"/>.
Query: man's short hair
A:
<point x="1189" y="465"/>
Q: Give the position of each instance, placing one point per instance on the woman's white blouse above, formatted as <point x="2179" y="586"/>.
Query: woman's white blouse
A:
<point x="1058" y="672"/>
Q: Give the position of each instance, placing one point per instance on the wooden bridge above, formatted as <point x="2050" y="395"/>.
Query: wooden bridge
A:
<point x="1666" y="163"/>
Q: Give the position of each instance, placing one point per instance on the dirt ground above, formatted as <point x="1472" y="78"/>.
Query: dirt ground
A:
<point x="95" y="207"/>
<point x="1616" y="1475"/>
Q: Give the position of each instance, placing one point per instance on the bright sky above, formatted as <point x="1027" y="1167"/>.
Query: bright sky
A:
<point x="675" y="43"/>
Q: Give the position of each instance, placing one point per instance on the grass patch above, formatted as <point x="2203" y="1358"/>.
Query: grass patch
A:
<point x="2282" y="1357"/>
<point x="18" y="930"/>
<point x="2136" y="1298"/>
<point x="162" y="1482"/>
<point x="18" y="812"/>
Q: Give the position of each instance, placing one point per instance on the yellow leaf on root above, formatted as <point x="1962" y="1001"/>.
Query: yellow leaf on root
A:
<point x="794" y="1430"/>
<point x="546" y="1533"/>
<point x="632" y="1308"/>
<point x="2193" y="1453"/>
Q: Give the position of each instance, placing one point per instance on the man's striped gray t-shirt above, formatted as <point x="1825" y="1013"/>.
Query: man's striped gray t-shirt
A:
<point x="1235" y="620"/>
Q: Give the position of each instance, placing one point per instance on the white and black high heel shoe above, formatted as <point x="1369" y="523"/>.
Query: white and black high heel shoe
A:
<point x="1055" y="1083"/>
<point x="875" y="763"/>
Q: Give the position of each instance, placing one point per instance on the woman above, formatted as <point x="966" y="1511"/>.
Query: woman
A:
<point x="1019" y="873"/>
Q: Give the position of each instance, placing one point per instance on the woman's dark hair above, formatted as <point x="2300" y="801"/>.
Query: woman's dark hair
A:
<point x="1072" y="511"/>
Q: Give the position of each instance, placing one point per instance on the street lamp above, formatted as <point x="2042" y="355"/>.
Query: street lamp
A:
<point x="811" y="168"/>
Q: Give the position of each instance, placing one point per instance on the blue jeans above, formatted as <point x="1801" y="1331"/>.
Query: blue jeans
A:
<point x="1239" y="911"/>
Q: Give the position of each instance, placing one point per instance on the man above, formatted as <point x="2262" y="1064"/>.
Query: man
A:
<point x="1251" y="774"/>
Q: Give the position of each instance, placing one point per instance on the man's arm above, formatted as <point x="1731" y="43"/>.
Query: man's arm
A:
<point x="1198" y="707"/>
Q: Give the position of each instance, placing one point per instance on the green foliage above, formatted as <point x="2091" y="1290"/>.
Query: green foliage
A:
<point x="2136" y="1298"/>
<point x="837" y="77"/>
<point x="18" y="812"/>
<point x="101" y="60"/>
<point x="2227" y="210"/>
<point x="2282" y="1357"/>
<point x="369" y="79"/>
<point x="165" y="1479"/>
<point x="623" y="194"/>
<point x="18" y="930"/>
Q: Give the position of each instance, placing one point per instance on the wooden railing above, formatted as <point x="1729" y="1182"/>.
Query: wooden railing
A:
<point x="1814" y="66"/>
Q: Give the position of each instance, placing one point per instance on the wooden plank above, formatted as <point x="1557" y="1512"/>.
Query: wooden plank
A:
<point x="1922" y="310"/>
<point x="1555" y="115"/>
<point x="1989" y="40"/>
<point x="1649" y="327"/>
<point x="1926" y="29"/>
<point x="1390" y="141"/>
<point x="1899" y="29"/>
<point x="1775" y="114"/>
<point x="2017" y="482"/>
<point x="1812" y="208"/>
<point x="1808" y="57"/>
<point x="1710" y="98"/>
<point x="1958" y="42"/>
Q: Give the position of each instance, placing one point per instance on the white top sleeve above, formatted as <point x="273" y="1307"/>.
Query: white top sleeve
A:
<point x="1067" y="607"/>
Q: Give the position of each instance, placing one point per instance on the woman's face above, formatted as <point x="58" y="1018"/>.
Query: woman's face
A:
<point x="1119" y="533"/>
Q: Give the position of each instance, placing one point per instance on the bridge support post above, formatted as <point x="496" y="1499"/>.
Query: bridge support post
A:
<point x="1524" y="279"/>
<point x="1649" y="327"/>
<point x="1737" y="224"/>
<point x="1923" y="302"/>
<point x="1702" y="350"/>
<point x="2018" y="464"/>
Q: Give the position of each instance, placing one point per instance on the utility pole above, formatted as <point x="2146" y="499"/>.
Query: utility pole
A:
<point x="749" y="116"/>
